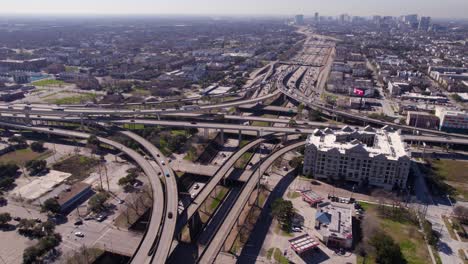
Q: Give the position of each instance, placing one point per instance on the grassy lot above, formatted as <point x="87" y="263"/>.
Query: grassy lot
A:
<point x="79" y="166"/>
<point x="243" y="143"/>
<point x="454" y="173"/>
<point x="449" y="228"/>
<point x="217" y="200"/>
<point x="260" y="123"/>
<point x="249" y="224"/>
<point x="279" y="258"/>
<point x="213" y="202"/>
<point x="243" y="161"/>
<point x="49" y="83"/>
<point x="405" y="233"/>
<point x="72" y="69"/>
<point x="134" y="126"/>
<point x="21" y="156"/>
<point x="293" y="195"/>
<point x="179" y="132"/>
<point x="75" y="99"/>
<point x="463" y="256"/>
<point x="85" y="255"/>
<point x="140" y="92"/>
<point x="270" y="253"/>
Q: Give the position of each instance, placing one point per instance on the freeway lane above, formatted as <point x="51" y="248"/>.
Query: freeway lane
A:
<point x="165" y="241"/>
<point x="151" y="233"/>
<point x="214" y="246"/>
<point x="99" y="111"/>
<point x="259" y="129"/>
<point x="445" y="138"/>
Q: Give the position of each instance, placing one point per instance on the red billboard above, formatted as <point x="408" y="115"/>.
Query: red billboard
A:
<point x="358" y="92"/>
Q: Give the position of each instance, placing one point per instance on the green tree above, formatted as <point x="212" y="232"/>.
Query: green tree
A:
<point x="30" y="255"/>
<point x="387" y="251"/>
<point x="37" y="146"/>
<point x="292" y="123"/>
<point x="93" y="143"/>
<point x="296" y="162"/>
<point x="48" y="227"/>
<point x="314" y="115"/>
<point x="19" y="140"/>
<point x="283" y="211"/>
<point x="51" y="205"/>
<point x="97" y="203"/>
<point x="8" y="170"/>
<point x="128" y="180"/>
<point x="36" y="166"/>
<point x="4" y="218"/>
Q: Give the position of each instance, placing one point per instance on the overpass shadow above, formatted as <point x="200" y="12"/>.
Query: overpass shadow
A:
<point x="262" y="226"/>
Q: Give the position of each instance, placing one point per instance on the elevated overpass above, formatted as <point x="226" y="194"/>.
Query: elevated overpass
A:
<point x="214" y="181"/>
<point x="146" y="247"/>
<point x="171" y="197"/>
<point x="215" y="244"/>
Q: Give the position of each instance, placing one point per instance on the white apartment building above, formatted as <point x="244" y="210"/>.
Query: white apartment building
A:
<point x="376" y="157"/>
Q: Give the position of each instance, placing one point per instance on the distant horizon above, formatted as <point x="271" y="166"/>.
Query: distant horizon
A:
<point x="207" y="15"/>
<point x="448" y="9"/>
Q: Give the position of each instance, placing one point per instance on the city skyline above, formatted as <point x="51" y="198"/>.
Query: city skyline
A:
<point x="449" y="9"/>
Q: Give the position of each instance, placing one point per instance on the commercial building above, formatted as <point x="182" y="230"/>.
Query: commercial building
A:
<point x="424" y="23"/>
<point x="334" y="226"/>
<point x="422" y="120"/>
<point x="303" y="243"/>
<point x="299" y="19"/>
<point x="367" y="157"/>
<point x="24" y="65"/>
<point x="74" y="195"/>
<point x="316" y="17"/>
<point x="452" y="120"/>
<point x="311" y="197"/>
<point x="397" y="88"/>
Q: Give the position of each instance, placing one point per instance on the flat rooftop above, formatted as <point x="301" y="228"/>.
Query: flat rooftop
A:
<point x="386" y="143"/>
<point x="341" y="225"/>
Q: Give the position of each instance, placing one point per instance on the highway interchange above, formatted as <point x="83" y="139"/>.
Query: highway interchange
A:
<point x="165" y="222"/>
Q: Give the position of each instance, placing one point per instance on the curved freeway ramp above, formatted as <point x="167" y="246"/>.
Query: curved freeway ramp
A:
<point x="143" y="251"/>
<point x="214" y="181"/>
<point x="164" y="243"/>
<point x="214" y="246"/>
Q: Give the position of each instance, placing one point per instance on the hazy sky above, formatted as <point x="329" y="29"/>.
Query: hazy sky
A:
<point x="435" y="8"/>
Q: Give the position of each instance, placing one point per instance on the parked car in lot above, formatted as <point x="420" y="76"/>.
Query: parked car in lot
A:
<point x="100" y="218"/>
<point x="79" y="234"/>
<point x="78" y="222"/>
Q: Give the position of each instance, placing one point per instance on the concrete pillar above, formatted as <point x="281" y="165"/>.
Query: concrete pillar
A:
<point x="222" y="136"/>
<point x="81" y="122"/>
<point x="240" y="136"/>
<point x="206" y="132"/>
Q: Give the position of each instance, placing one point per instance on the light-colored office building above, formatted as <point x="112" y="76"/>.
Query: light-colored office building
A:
<point x="452" y="120"/>
<point x="375" y="157"/>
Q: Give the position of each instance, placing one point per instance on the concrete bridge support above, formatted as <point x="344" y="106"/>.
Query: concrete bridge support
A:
<point x="221" y="132"/>
<point x="195" y="224"/>
<point x="240" y="137"/>
<point x="206" y="132"/>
